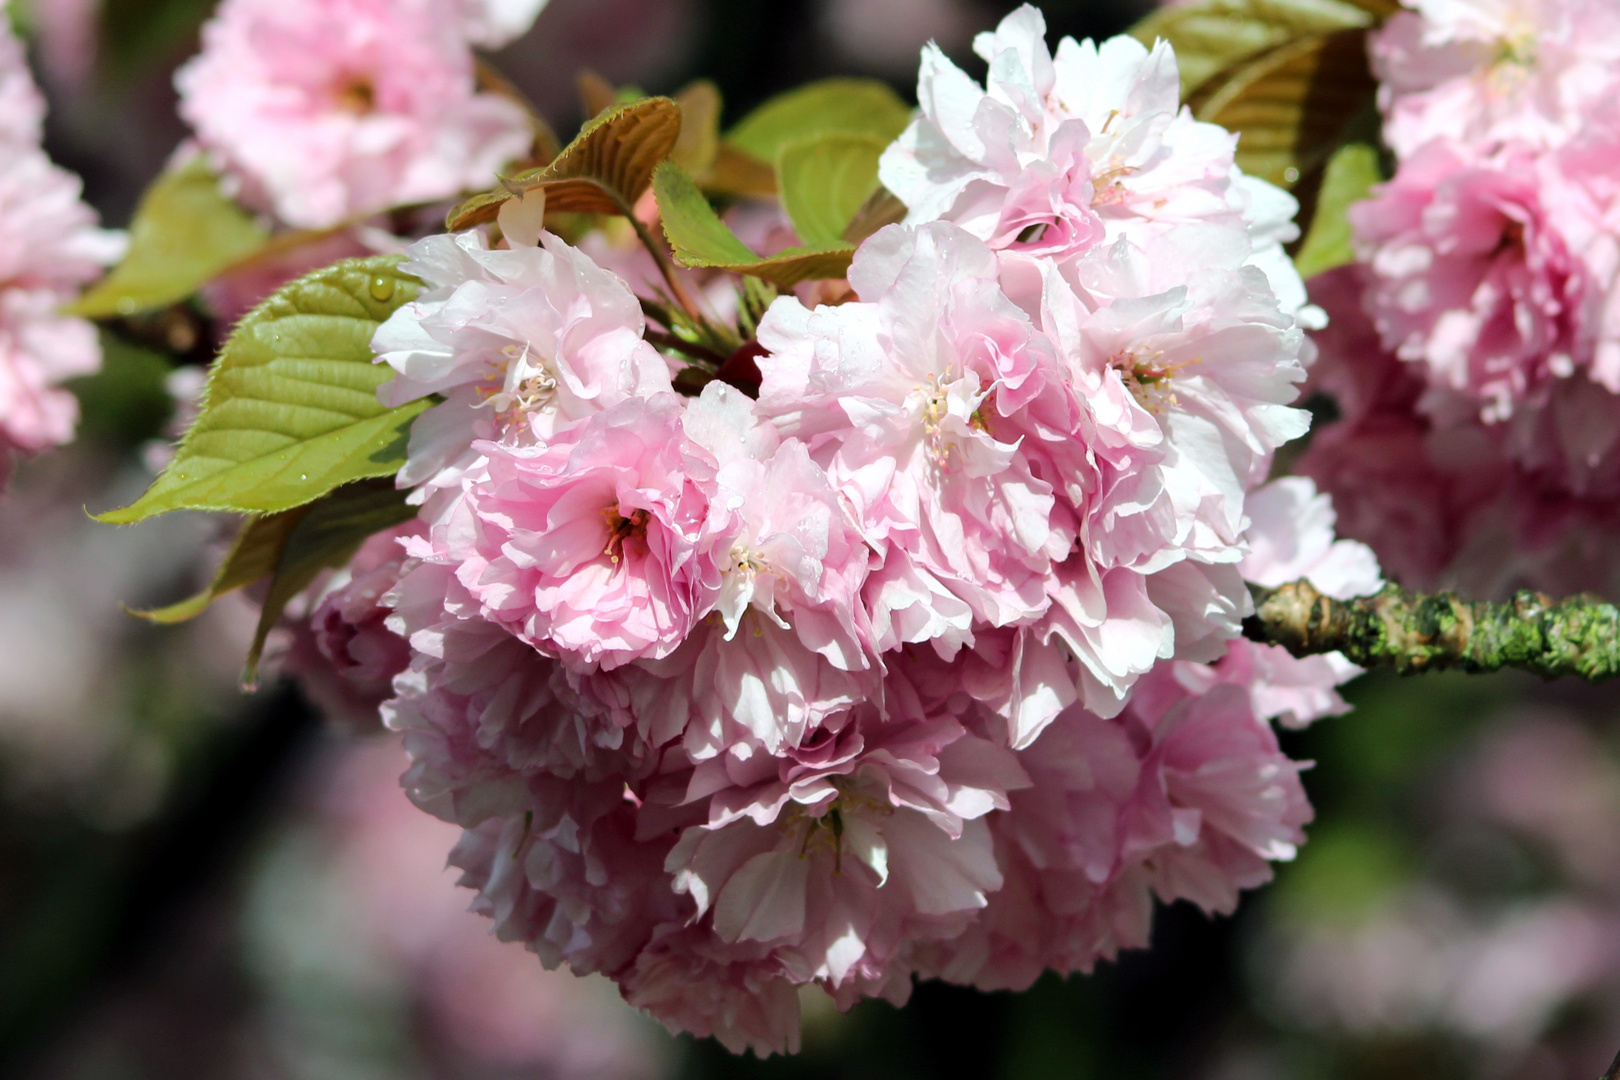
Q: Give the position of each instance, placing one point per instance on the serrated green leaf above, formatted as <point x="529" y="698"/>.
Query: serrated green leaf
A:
<point x="291" y="411"/>
<point x="1291" y="107"/>
<point x="699" y="238"/>
<point x="326" y="535"/>
<point x="1350" y="172"/>
<point x="185" y="232"/>
<point x="825" y="181"/>
<point x="1216" y="36"/>
<point x="603" y="171"/>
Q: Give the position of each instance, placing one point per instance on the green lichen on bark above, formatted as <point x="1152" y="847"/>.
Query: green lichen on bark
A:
<point x="1410" y="632"/>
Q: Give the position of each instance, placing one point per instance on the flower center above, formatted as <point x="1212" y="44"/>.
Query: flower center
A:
<point x="357" y="94"/>
<point x="745" y="560"/>
<point x="825" y="831"/>
<point x="527" y="386"/>
<point x="934" y="407"/>
<point x="1108" y="186"/>
<point x="1515" y="56"/>
<point x="1150" y="379"/>
<point x="621" y="528"/>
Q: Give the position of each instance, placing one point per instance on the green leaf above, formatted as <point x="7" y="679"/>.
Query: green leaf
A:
<point x="700" y="238"/>
<point x="292" y="548"/>
<point x="127" y="401"/>
<point x="184" y="234"/>
<point x="882" y="208"/>
<point x="825" y="181"/>
<point x="1217" y="35"/>
<point x="1291" y="107"/>
<point x="843" y="106"/>
<point x="291" y="411"/>
<point x="1350" y="172"/>
<point x="603" y="171"/>
<point x="828" y="107"/>
<point x="326" y="535"/>
<point x="253" y="555"/>
<point x="699" y="142"/>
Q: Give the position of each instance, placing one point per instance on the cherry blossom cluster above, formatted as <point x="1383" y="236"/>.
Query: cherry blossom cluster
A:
<point x="1488" y="269"/>
<point x="50" y="248"/>
<point x="323" y="111"/>
<point x="924" y="662"/>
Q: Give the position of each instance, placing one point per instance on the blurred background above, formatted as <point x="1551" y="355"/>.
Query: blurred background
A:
<point x="201" y="884"/>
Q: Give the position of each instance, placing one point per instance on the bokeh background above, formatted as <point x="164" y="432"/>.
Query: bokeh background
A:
<point x="202" y="884"/>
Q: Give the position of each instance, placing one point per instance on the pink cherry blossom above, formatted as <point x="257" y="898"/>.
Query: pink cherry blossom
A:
<point x="838" y="853"/>
<point x="1477" y="274"/>
<point x="691" y="982"/>
<point x="899" y="397"/>
<point x="1059" y="154"/>
<point x="325" y="110"/>
<point x="786" y="644"/>
<point x="22" y="107"/>
<point x="49" y="249"/>
<point x="1217" y="802"/>
<point x="1446" y="499"/>
<point x="1065" y="903"/>
<point x="1185" y="796"/>
<point x="568" y="877"/>
<point x="597" y="547"/>
<point x="923" y="664"/>
<point x="523" y="343"/>
<point x="1487" y="72"/>
<point x="344" y="656"/>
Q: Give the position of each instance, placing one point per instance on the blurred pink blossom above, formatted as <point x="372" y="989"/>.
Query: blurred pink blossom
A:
<point x="49" y="249"/>
<point x="325" y="110"/>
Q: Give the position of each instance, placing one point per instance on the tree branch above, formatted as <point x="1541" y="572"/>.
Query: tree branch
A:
<point x="1411" y="632"/>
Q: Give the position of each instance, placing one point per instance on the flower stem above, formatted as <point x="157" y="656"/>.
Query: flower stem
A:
<point x="1414" y="632"/>
<point x="665" y="268"/>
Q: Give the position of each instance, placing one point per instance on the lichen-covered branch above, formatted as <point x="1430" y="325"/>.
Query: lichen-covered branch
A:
<point x="1411" y="632"/>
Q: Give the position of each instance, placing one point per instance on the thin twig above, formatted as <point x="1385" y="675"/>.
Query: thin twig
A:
<point x="1414" y="632"/>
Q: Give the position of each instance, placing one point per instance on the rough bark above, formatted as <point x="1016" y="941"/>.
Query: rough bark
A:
<point x="1410" y="632"/>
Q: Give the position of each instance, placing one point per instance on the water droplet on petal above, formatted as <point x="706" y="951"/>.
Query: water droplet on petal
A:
<point x="382" y="288"/>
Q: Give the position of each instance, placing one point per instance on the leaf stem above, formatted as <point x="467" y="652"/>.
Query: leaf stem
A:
<point x="665" y="267"/>
<point x="1413" y="632"/>
<point x="679" y="344"/>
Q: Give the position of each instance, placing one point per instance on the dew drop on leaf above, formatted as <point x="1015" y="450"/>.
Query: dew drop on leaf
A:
<point x="382" y="288"/>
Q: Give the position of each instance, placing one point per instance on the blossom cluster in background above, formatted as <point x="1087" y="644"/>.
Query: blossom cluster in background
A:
<point x="50" y="247"/>
<point x="925" y="662"/>
<point x="1475" y="351"/>
<point x="326" y="111"/>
